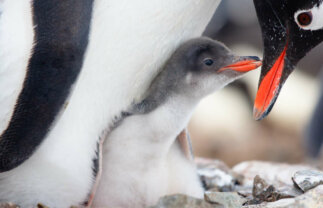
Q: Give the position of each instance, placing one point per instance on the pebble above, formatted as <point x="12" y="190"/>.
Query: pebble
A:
<point x="8" y="205"/>
<point x="308" y="179"/>
<point x="227" y="199"/>
<point x="216" y="175"/>
<point x="183" y="201"/>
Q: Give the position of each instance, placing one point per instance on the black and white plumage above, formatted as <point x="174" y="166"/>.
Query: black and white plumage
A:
<point x="141" y="160"/>
<point x="67" y="68"/>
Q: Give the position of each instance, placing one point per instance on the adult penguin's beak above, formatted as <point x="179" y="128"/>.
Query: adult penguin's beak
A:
<point x="285" y="43"/>
<point x="276" y="65"/>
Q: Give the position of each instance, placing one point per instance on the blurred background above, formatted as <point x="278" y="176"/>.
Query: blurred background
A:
<point x="223" y="127"/>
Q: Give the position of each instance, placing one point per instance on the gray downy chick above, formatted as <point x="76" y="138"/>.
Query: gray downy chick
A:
<point x="141" y="160"/>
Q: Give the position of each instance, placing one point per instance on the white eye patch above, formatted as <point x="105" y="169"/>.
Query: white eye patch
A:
<point x="311" y="19"/>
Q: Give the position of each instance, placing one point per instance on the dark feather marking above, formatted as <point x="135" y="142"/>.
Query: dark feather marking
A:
<point x="96" y="160"/>
<point x="61" y="37"/>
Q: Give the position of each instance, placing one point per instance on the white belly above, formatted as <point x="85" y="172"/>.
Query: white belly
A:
<point x="138" y="181"/>
<point x="129" y="41"/>
<point x="142" y="162"/>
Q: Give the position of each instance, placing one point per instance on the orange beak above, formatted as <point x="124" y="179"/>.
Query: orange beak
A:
<point x="269" y="88"/>
<point x="244" y="65"/>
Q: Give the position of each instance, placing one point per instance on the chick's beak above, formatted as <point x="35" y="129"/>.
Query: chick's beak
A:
<point x="243" y="64"/>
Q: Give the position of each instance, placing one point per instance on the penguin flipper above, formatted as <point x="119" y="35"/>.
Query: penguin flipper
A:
<point x="60" y="39"/>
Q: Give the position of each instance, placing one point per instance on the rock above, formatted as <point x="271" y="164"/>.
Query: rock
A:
<point x="269" y="193"/>
<point x="308" y="179"/>
<point x="244" y="191"/>
<point x="41" y="206"/>
<point x="263" y="192"/>
<point x="8" y="205"/>
<point x="277" y="174"/>
<point x="182" y="201"/>
<point x="283" y="203"/>
<point x="227" y="199"/>
<point x="259" y="186"/>
<point x="216" y="175"/>
<point x="311" y="199"/>
<point x="289" y="191"/>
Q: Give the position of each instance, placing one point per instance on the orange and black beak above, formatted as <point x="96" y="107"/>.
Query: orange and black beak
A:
<point x="285" y="43"/>
<point x="276" y="66"/>
<point x="271" y="81"/>
<point x="243" y="64"/>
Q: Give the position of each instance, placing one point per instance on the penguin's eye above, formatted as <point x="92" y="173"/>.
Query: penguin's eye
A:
<point x="310" y="19"/>
<point x="208" y="62"/>
<point x="305" y="18"/>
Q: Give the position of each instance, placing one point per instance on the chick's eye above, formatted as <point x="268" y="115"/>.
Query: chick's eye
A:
<point x="208" y="61"/>
<point x="304" y="18"/>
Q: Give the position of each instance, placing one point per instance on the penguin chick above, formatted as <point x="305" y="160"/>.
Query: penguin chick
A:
<point x="141" y="160"/>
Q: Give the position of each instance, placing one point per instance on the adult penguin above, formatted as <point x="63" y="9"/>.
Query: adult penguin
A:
<point x="290" y="29"/>
<point x="67" y="70"/>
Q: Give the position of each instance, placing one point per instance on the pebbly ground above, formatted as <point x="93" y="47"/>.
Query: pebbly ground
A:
<point x="253" y="184"/>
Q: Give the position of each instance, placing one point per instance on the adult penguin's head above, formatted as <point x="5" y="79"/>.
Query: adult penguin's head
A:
<point x="290" y="29"/>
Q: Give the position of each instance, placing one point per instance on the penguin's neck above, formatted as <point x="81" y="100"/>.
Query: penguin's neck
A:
<point x="151" y="135"/>
<point x="180" y="107"/>
<point x="171" y="117"/>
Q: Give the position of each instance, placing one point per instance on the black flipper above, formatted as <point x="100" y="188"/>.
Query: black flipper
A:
<point x="61" y="38"/>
